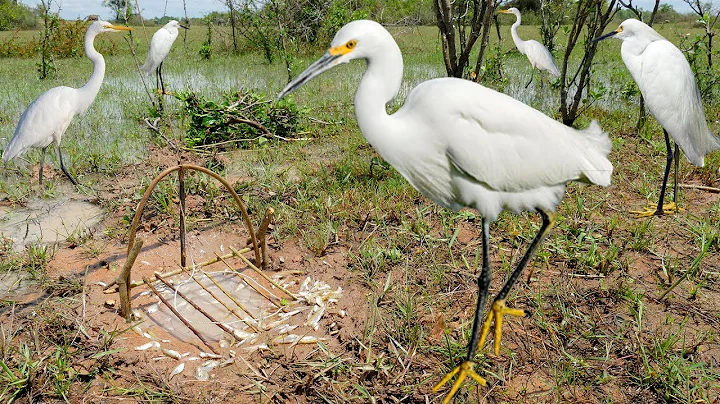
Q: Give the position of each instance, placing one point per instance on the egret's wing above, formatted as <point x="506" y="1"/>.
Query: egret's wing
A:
<point x="541" y="57"/>
<point x="48" y="114"/>
<point x="506" y="145"/>
<point x="160" y="46"/>
<point x="672" y="97"/>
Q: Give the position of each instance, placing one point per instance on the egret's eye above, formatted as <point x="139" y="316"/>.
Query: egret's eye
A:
<point x="351" y="44"/>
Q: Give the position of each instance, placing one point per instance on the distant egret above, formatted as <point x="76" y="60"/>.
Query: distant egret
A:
<point x="49" y="115"/>
<point x="160" y="44"/>
<point x="668" y="86"/>
<point x="463" y="145"/>
<point x="538" y="55"/>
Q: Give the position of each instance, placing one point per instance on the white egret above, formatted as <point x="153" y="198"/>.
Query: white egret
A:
<point x="538" y="55"/>
<point x="667" y="83"/>
<point x="49" y="115"/>
<point x="160" y="44"/>
<point x="463" y="145"/>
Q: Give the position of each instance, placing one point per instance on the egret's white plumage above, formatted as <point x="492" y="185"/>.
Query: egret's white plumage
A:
<point x="464" y="145"/>
<point x="49" y="115"/>
<point x="668" y="86"/>
<point x="160" y="44"/>
<point x="538" y="55"/>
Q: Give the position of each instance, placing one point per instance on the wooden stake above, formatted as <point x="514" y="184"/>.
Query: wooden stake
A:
<point x="123" y="281"/>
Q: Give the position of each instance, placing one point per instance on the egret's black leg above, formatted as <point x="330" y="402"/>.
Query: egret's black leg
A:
<point x="466" y="368"/>
<point x="677" y="168"/>
<point x="157" y="78"/>
<point x="483" y="286"/>
<point x="532" y="74"/>
<point x="64" y="170"/>
<point x="659" y="210"/>
<point x="42" y="163"/>
<point x="498" y="307"/>
<point x="162" y="83"/>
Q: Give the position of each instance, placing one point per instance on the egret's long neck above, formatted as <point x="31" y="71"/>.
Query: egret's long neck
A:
<point x="519" y="43"/>
<point x="379" y="85"/>
<point x="91" y="88"/>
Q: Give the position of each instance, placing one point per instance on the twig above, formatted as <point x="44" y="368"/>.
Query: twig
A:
<point x="196" y="307"/>
<point x="258" y="288"/>
<point x="108" y="289"/>
<point x="180" y="317"/>
<point x="155" y="129"/>
<point x="701" y="188"/>
<point x="221" y="301"/>
<point x="259" y="272"/>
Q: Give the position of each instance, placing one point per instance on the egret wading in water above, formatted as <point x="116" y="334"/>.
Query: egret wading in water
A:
<point x="538" y="55"/>
<point x="160" y="44"/>
<point x="667" y="83"/>
<point x="49" y="115"/>
<point x="463" y="145"/>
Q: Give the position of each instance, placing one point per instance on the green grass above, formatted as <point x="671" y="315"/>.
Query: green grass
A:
<point x="598" y="330"/>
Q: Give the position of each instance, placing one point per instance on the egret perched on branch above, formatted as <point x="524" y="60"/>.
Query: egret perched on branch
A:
<point x="668" y="86"/>
<point x="160" y="44"/>
<point x="49" y="115"/>
<point x="537" y="53"/>
<point x="463" y="145"/>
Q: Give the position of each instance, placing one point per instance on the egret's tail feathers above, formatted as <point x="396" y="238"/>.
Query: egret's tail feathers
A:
<point x="554" y="71"/>
<point x="598" y="169"/>
<point x="147" y="67"/>
<point x="12" y="150"/>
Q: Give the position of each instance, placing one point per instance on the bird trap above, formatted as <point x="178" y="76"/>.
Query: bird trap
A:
<point x="226" y="302"/>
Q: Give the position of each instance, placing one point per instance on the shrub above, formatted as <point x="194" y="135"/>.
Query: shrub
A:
<point x="240" y="119"/>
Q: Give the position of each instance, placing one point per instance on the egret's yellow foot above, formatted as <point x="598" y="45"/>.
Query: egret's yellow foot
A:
<point x="463" y="370"/>
<point x="496" y="312"/>
<point x="669" y="208"/>
<point x="166" y="92"/>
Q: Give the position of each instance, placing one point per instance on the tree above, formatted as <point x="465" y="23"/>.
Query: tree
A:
<point x="461" y="24"/>
<point x="590" y="20"/>
<point x="119" y="8"/>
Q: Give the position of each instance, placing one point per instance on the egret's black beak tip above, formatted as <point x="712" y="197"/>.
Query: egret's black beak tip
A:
<point x="606" y="36"/>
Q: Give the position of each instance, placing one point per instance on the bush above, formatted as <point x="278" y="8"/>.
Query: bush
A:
<point x="240" y="119"/>
<point x="16" y="16"/>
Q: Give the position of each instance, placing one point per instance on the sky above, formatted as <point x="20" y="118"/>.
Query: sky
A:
<point x="71" y="9"/>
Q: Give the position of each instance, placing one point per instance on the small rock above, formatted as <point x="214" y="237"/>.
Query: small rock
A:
<point x="281" y="259"/>
<point x="110" y="304"/>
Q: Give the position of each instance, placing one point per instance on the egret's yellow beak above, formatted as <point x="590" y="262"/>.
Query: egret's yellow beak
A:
<point x="120" y="28"/>
<point x="504" y="11"/>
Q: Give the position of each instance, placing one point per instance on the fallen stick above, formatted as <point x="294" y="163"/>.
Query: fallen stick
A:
<point x="701" y="188"/>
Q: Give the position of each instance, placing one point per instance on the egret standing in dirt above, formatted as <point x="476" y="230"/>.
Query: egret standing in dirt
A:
<point x="538" y="55"/>
<point x="160" y="45"/>
<point x="49" y="115"/>
<point x="668" y="86"/>
<point x="463" y="145"/>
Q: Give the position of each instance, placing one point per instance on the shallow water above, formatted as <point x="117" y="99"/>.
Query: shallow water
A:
<point x="16" y="285"/>
<point x="48" y="221"/>
<point x="249" y="298"/>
